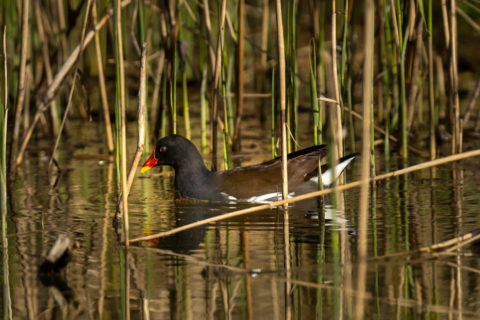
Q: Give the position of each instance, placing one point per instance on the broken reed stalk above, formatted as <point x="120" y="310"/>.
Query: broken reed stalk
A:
<point x="240" y="74"/>
<point x="72" y="88"/>
<point x="366" y="153"/>
<point x="216" y="86"/>
<point x="421" y="166"/>
<point x="101" y="81"/>
<point x="58" y="81"/>
<point x="282" y="92"/>
<point x="22" y="78"/>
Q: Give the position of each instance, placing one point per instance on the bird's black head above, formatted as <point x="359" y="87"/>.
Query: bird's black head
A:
<point x="172" y="150"/>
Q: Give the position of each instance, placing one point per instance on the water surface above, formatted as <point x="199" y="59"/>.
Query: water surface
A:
<point x="235" y="268"/>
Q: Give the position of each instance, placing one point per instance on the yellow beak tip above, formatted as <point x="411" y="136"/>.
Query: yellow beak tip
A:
<point x="144" y="169"/>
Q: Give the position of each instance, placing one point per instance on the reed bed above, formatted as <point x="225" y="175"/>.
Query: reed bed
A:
<point x="405" y="56"/>
<point x="406" y="52"/>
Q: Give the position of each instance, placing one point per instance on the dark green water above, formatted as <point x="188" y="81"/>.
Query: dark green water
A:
<point x="235" y="268"/>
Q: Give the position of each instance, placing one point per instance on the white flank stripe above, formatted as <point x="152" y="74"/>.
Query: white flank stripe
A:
<point x="268" y="198"/>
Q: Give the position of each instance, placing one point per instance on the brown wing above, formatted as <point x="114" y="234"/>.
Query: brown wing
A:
<point x="266" y="177"/>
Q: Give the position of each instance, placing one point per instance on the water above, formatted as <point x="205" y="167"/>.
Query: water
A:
<point x="236" y="268"/>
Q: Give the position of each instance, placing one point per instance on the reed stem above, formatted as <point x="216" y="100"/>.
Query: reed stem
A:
<point x="240" y="75"/>
<point x="121" y="121"/>
<point x="366" y="146"/>
<point x="282" y="93"/>
<point x="103" y="88"/>
<point x="22" y="78"/>
<point x="216" y="85"/>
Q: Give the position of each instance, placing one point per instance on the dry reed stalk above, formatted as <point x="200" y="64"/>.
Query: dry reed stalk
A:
<point x="208" y="25"/>
<point x="335" y="108"/>
<point x="264" y="41"/>
<point x="431" y="92"/>
<point x="21" y="81"/>
<point x="101" y="81"/>
<point x="46" y="62"/>
<point x="216" y="85"/>
<point x="58" y="80"/>
<point x="123" y="123"/>
<point x="240" y="73"/>
<point x="286" y="262"/>
<point x="172" y="64"/>
<point x="156" y="89"/>
<point x="415" y="73"/>
<point x="131" y="27"/>
<point x="5" y="97"/>
<point x="446" y="23"/>
<point x="334" y="112"/>
<point x="69" y="103"/>
<point x="3" y="141"/>
<point x="421" y="166"/>
<point x="282" y="93"/>
<point x="456" y="141"/>
<point x="156" y="100"/>
<point x="366" y="154"/>
<point x="395" y="23"/>
<point x="140" y="123"/>
<point x="63" y="27"/>
<point x="142" y="93"/>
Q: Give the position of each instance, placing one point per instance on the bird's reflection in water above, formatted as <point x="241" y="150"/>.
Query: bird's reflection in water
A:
<point x="188" y="212"/>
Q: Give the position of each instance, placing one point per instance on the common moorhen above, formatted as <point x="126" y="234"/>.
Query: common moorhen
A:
<point x="254" y="183"/>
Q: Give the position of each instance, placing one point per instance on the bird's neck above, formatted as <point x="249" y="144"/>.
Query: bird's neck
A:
<point x="193" y="179"/>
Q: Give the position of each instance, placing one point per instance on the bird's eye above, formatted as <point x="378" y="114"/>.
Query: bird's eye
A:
<point x="162" y="149"/>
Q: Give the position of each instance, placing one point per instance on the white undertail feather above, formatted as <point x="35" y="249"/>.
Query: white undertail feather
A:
<point x="331" y="175"/>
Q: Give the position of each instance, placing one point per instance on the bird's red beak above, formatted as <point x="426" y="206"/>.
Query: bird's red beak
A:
<point x="150" y="163"/>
